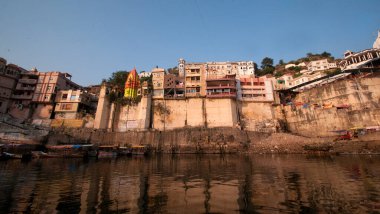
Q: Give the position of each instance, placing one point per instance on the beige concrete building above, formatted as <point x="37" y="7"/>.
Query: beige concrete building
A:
<point x="145" y="74"/>
<point x="320" y="65"/>
<point x="8" y="79"/>
<point x="198" y="75"/>
<point x="195" y="80"/>
<point x="73" y="104"/>
<point x="158" y="80"/>
<point x="361" y="59"/>
<point x="49" y="83"/>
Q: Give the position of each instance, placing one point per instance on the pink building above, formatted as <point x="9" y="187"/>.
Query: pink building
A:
<point x="49" y="83"/>
<point x="256" y="89"/>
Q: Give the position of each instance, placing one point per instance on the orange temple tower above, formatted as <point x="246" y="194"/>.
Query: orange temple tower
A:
<point x="132" y="84"/>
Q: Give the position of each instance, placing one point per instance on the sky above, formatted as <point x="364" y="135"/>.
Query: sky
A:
<point x="92" y="39"/>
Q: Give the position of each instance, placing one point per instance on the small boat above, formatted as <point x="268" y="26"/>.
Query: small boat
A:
<point x="107" y="152"/>
<point x="140" y="150"/>
<point x="124" y="151"/>
<point x="7" y="156"/>
<point x="41" y="154"/>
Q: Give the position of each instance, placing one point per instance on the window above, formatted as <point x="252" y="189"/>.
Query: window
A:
<point x="66" y="106"/>
<point x="64" y="96"/>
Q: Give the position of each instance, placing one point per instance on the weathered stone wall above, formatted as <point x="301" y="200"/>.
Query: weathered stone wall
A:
<point x="315" y="112"/>
<point x="258" y="116"/>
<point x="194" y="112"/>
<point x="190" y="140"/>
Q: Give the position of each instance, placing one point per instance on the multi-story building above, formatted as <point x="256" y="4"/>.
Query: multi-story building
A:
<point x="21" y="107"/>
<point x="49" y="83"/>
<point x="145" y="74"/>
<point x="221" y="87"/>
<point x="198" y="75"/>
<point x="283" y="82"/>
<point x="73" y="104"/>
<point x="8" y="79"/>
<point x="360" y="59"/>
<point x="320" y="65"/>
<point x="255" y="89"/>
<point x="195" y="80"/>
<point x="158" y="79"/>
<point x="93" y="89"/>
<point x="174" y="86"/>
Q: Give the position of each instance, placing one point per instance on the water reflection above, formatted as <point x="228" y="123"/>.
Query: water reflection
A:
<point x="193" y="184"/>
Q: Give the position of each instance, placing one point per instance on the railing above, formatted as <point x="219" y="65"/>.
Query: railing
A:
<point x="22" y="97"/>
<point x="221" y="94"/>
<point x="26" y="88"/>
<point x="220" y="86"/>
<point x="28" y="81"/>
<point x="192" y="74"/>
<point x="216" y="78"/>
<point x="193" y="83"/>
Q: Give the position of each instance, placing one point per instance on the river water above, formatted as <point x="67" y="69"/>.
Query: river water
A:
<point x="193" y="184"/>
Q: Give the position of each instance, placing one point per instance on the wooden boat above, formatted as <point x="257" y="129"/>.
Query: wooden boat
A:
<point x="71" y="151"/>
<point x="7" y="156"/>
<point x="107" y="152"/>
<point x="41" y="155"/>
<point x="124" y="151"/>
<point x="140" y="150"/>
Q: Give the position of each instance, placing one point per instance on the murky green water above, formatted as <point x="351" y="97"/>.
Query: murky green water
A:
<point x="193" y="184"/>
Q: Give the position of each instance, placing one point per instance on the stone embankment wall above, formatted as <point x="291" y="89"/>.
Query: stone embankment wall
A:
<point x="194" y="112"/>
<point x="340" y="105"/>
<point x="218" y="140"/>
<point x="18" y="133"/>
<point x="188" y="140"/>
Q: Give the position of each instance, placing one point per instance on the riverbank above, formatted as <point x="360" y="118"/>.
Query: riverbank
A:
<point x="199" y="140"/>
<point x="218" y="140"/>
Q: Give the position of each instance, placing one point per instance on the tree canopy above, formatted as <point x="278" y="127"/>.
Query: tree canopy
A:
<point x="266" y="62"/>
<point x="173" y="70"/>
<point x="118" y="79"/>
<point x="266" y="67"/>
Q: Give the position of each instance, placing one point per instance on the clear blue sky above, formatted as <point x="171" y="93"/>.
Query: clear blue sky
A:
<point x="91" y="39"/>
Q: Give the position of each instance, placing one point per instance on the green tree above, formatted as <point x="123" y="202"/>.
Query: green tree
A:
<point x="278" y="74"/>
<point x="118" y="79"/>
<point x="173" y="70"/>
<point x="326" y="54"/>
<point x="148" y="79"/>
<point x="266" y="62"/>
<point x="281" y="62"/>
<point x="268" y="70"/>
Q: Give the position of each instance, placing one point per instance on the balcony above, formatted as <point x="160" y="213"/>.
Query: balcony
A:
<point x="28" y="81"/>
<point x="193" y="94"/>
<point x="221" y="94"/>
<point x="220" y="86"/>
<point x="22" y="97"/>
<point x="193" y="74"/>
<point x="193" y="83"/>
<point x="26" y="88"/>
<point x="220" y="78"/>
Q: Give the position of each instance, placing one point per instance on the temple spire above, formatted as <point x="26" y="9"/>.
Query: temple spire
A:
<point x="376" y="44"/>
<point x="132" y="84"/>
